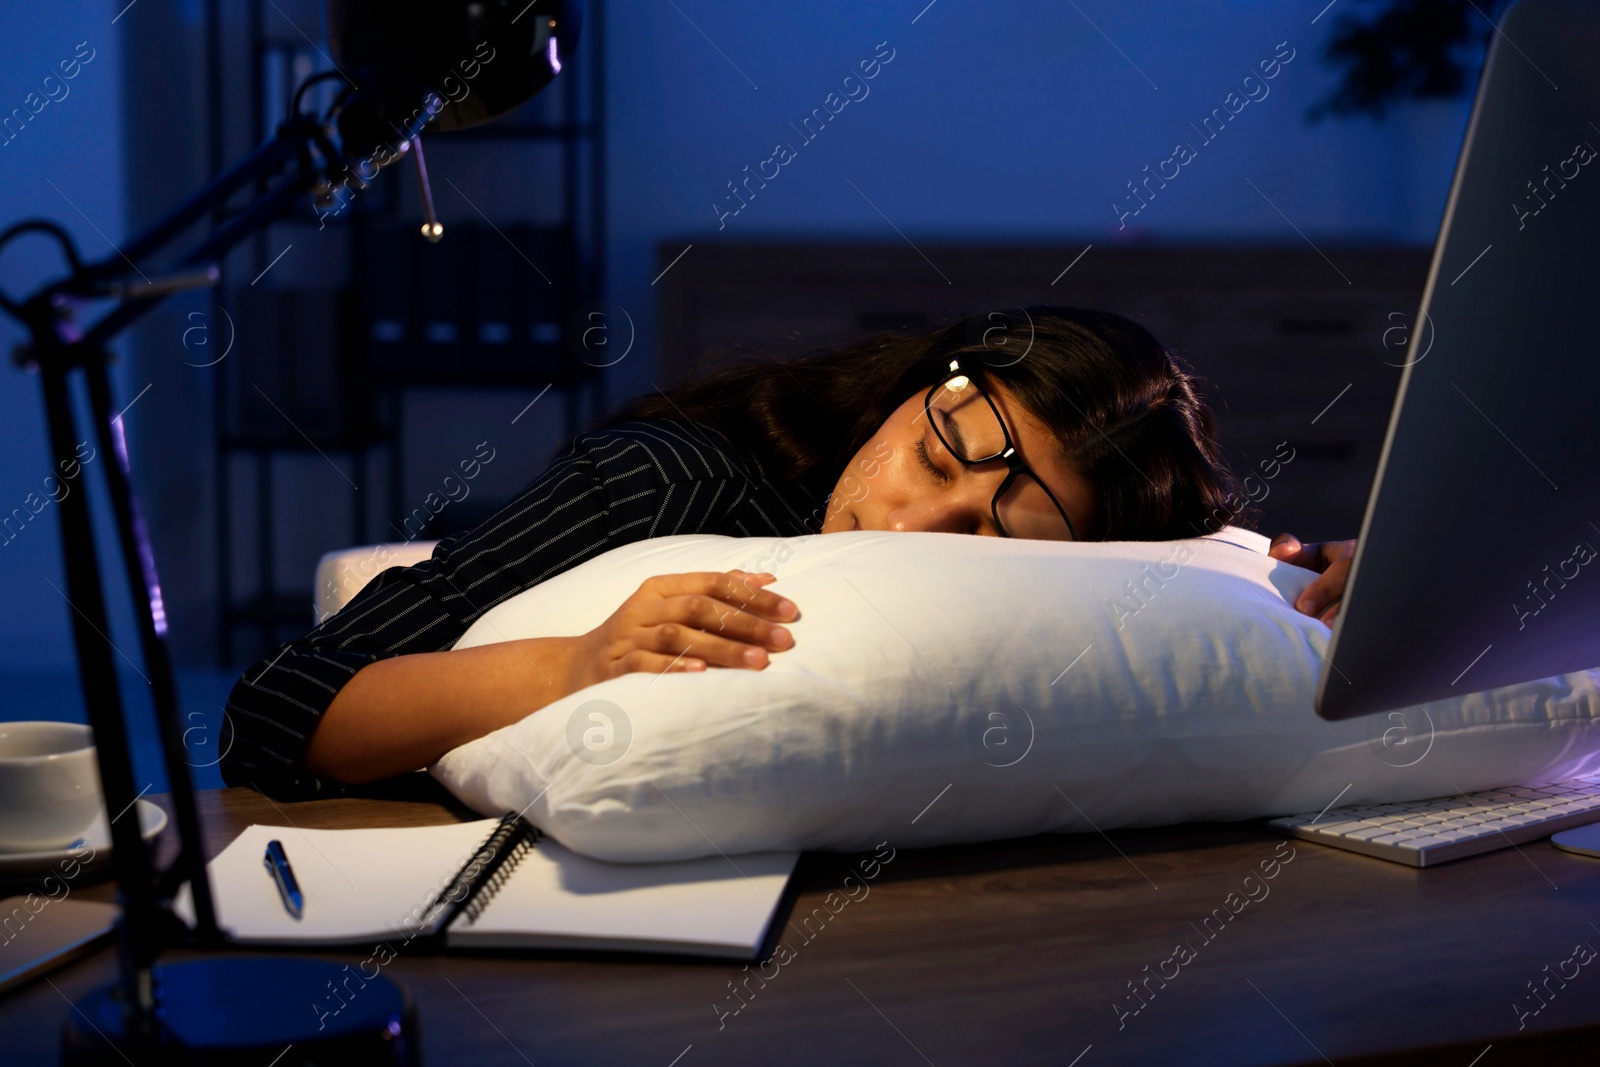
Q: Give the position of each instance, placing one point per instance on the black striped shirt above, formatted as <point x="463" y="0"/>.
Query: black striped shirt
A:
<point x="627" y="482"/>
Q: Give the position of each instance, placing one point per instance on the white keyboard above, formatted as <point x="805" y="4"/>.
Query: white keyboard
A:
<point x="1423" y="833"/>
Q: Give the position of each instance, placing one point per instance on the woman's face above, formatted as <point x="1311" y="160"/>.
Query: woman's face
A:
<point x="889" y="486"/>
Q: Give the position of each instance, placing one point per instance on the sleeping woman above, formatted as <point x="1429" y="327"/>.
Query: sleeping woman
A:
<point x="1092" y="432"/>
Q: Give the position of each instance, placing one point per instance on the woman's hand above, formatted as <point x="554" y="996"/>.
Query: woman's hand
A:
<point x="403" y="712"/>
<point x="1332" y="558"/>
<point x="685" y="622"/>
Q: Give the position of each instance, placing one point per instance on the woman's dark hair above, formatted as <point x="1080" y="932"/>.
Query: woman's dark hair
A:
<point x="1128" y="414"/>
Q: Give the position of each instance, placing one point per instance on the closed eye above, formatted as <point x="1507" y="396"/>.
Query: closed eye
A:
<point x="922" y="453"/>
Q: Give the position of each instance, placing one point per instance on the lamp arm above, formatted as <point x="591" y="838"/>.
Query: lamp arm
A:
<point x="277" y="203"/>
<point x="103" y="277"/>
<point x="265" y="161"/>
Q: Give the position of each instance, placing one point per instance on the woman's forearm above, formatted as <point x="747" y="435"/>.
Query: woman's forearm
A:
<point x="404" y="712"/>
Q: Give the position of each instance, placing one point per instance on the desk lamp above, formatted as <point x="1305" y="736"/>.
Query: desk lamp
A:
<point x="402" y="64"/>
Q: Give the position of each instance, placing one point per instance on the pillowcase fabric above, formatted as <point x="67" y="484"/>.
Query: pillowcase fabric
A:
<point x="945" y="688"/>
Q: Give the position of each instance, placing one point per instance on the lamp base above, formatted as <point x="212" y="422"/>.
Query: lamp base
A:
<point x="244" y="1011"/>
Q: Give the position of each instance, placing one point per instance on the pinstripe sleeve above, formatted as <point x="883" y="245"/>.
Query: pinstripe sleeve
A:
<point x="647" y="478"/>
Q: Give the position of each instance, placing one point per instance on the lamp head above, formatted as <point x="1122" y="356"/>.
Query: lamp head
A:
<point x="446" y="65"/>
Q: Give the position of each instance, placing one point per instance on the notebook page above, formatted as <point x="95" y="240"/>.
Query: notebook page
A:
<point x="557" y="898"/>
<point x="357" y="884"/>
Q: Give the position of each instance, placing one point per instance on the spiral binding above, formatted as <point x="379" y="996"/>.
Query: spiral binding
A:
<point x="471" y="890"/>
<point x="491" y="885"/>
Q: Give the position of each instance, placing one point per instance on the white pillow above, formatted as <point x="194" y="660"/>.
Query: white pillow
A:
<point x="946" y="688"/>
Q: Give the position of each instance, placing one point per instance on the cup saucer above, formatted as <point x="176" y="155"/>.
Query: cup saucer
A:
<point x="96" y="841"/>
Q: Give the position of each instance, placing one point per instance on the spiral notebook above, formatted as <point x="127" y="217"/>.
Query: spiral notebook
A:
<point x="490" y="883"/>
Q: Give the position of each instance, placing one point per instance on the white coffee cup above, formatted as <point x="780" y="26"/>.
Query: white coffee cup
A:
<point x="49" y="785"/>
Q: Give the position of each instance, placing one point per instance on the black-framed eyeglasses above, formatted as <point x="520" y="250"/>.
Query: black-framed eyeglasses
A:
<point x="969" y="425"/>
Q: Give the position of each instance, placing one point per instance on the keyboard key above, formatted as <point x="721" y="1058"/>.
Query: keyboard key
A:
<point x="1368" y="833"/>
<point x="1430" y="842"/>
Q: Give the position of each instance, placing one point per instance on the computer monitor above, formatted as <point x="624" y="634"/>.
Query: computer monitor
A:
<point x="1478" y="561"/>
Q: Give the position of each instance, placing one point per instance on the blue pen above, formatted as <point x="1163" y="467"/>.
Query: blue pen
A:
<point x="283" y="876"/>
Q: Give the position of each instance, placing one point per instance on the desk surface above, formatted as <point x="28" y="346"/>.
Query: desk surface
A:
<point x="1018" y="952"/>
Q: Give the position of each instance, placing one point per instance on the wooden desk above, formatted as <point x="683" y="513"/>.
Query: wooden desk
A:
<point x="1016" y="952"/>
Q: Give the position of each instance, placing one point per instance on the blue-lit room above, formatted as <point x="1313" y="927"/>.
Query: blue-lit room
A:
<point x="571" y="532"/>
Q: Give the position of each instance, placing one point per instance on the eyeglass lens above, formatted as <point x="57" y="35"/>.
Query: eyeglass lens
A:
<point x="971" y="429"/>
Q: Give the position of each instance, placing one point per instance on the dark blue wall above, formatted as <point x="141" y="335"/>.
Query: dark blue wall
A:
<point x="66" y="164"/>
<point x="1015" y="121"/>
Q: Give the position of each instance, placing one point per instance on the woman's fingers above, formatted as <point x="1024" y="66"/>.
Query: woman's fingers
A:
<point x="1290" y="549"/>
<point x="1318" y="595"/>
<point x="741" y="589"/>
<point x="722" y="619"/>
<point x="730" y="605"/>
<point x="717" y="632"/>
<point x="747" y="591"/>
<point x="1285" y="547"/>
<point x="673" y="639"/>
<point x="719" y="617"/>
<point x="660" y="663"/>
<point x="1322" y="597"/>
<point x="1331" y="559"/>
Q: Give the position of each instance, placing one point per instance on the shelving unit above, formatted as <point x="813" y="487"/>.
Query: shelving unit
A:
<point x="342" y="336"/>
